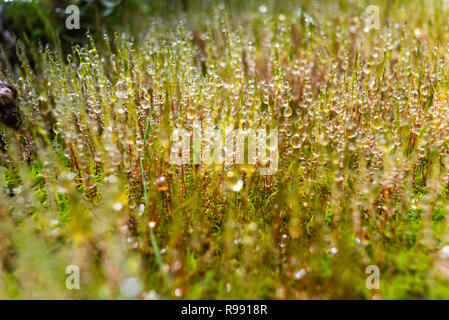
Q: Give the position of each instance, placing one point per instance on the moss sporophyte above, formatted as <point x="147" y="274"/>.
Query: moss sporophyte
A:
<point x="235" y="150"/>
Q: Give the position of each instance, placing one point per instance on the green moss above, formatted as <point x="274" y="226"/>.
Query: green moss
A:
<point x="362" y="174"/>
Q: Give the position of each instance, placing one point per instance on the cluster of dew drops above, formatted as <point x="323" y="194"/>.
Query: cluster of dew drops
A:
<point x="331" y="91"/>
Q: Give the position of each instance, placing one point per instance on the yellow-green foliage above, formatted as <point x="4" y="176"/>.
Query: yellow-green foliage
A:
<point x="363" y="124"/>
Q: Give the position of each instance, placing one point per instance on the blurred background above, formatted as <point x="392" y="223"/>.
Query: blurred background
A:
<point x="43" y="21"/>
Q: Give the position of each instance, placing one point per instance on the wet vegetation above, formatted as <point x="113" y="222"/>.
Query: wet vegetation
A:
<point x="363" y="176"/>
